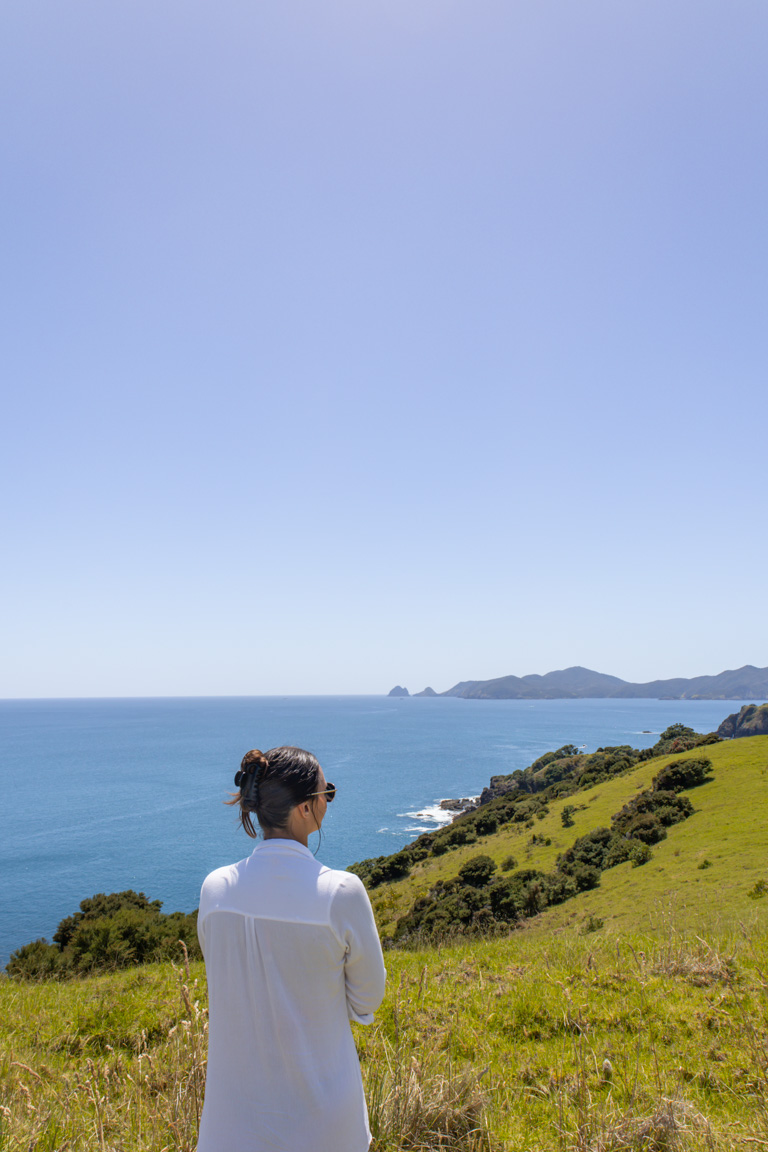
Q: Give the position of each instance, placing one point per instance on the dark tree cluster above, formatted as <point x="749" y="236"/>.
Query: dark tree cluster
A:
<point x="110" y="931"/>
<point x="678" y="738"/>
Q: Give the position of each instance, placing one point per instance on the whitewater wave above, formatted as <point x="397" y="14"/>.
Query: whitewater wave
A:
<point x="433" y="813"/>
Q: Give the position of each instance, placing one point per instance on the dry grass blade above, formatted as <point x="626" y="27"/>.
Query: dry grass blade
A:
<point x="699" y="963"/>
<point x="426" y="1109"/>
<point x="672" y="1125"/>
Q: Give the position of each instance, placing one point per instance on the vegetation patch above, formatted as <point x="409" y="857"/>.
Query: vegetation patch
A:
<point x="478" y="901"/>
<point x="109" y="932"/>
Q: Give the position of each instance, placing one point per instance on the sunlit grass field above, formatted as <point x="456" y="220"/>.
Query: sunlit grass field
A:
<point x="632" y="1017"/>
<point x="494" y="1044"/>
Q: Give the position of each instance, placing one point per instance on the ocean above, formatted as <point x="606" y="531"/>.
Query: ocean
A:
<point x="104" y="795"/>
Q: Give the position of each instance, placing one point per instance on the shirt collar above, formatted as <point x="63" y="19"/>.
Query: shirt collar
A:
<point x="277" y="844"/>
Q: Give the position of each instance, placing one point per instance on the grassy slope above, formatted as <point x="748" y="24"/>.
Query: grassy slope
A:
<point x="727" y="828"/>
<point x="676" y="998"/>
<point x="116" y="1062"/>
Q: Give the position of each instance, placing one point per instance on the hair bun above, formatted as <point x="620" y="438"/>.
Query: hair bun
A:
<point x="249" y="766"/>
<point x="254" y="760"/>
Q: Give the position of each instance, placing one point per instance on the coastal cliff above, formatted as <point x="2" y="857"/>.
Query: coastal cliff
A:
<point x="752" y="720"/>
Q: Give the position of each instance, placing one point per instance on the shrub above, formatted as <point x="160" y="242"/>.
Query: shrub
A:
<point x="391" y="868"/>
<point x="567" y="815"/>
<point x="524" y="893"/>
<point x="591" y="924"/>
<point x="38" y="960"/>
<point x="561" y="887"/>
<point x="486" y="822"/>
<point x="647" y="829"/>
<point x="640" y="854"/>
<point x="363" y="868"/>
<point x="590" y="850"/>
<point x="508" y="864"/>
<point x="650" y="813"/>
<point x="618" y="851"/>
<point x="458" y="834"/>
<point x="585" y="876"/>
<point x="110" y="931"/>
<point x="477" y="871"/>
<point x="683" y="774"/>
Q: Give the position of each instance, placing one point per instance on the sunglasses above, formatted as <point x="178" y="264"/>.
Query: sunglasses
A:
<point x="329" y="791"/>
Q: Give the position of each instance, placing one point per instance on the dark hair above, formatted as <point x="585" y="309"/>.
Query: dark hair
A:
<point x="271" y="783"/>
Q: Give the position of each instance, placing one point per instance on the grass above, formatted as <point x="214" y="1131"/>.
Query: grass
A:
<point x="480" y="1046"/>
<point x="634" y="1017"/>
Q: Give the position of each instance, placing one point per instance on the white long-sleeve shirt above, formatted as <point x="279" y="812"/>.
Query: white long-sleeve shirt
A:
<point x="291" y="955"/>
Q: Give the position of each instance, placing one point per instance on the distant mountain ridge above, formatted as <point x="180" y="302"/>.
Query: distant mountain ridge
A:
<point x="747" y="683"/>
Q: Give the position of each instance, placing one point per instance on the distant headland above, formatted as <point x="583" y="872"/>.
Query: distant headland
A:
<point x="747" y="683"/>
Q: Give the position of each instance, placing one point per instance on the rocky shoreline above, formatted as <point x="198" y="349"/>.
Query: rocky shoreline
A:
<point x="458" y="807"/>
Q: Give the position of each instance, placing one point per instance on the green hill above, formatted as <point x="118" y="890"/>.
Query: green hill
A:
<point x="717" y="855"/>
<point x="747" y="683"/>
<point x="632" y="1017"/>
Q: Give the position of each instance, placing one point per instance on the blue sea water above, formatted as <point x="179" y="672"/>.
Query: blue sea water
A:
<point x="103" y="795"/>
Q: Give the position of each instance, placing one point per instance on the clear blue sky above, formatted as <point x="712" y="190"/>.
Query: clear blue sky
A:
<point x="355" y="343"/>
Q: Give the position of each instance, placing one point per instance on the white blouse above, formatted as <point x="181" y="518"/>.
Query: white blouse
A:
<point x="291" y="956"/>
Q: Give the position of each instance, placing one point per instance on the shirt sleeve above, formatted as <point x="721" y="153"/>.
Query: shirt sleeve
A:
<point x="201" y="911"/>
<point x="364" y="971"/>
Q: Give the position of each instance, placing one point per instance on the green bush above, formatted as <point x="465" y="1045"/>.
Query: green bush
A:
<point x="391" y="868"/>
<point x="486" y="822"/>
<point x="363" y="868"/>
<point x="647" y="828"/>
<point x="640" y="854"/>
<point x="455" y="835"/>
<point x="683" y="774"/>
<point x="477" y="871"/>
<point x="38" y="960"/>
<point x="110" y="931"/>
<point x="586" y="876"/>
<point x="590" y="850"/>
<point x="648" y="815"/>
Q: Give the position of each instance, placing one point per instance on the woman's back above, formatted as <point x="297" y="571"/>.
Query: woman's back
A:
<point x="291" y="954"/>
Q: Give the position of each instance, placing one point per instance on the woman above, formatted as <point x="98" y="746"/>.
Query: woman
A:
<point x="291" y="955"/>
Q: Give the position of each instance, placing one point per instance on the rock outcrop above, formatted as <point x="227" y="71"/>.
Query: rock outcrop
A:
<point x="398" y="691"/>
<point x="466" y="804"/>
<point x="498" y="786"/>
<point x="752" y="720"/>
<point x="426" y="692"/>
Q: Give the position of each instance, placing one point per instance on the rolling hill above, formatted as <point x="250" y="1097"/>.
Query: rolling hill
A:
<point x="712" y="859"/>
<point x="747" y="683"/>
